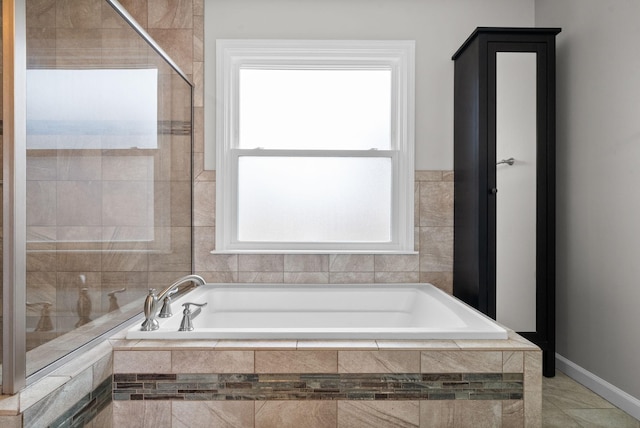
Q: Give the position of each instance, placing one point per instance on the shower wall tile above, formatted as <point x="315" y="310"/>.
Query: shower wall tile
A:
<point x="296" y="361"/>
<point x="178" y="44"/>
<point x="78" y="14"/>
<point x="198" y="81"/>
<point x="79" y="203"/>
<point x="380" y="414"/>
<point x="428" y="175"/>
<point x="41" y="203"/>
<point x="145" y="414"/>
<point x="198" y="40"/>
<point x="379" y="361"/>
<point x="41" y="13"/>
<point x="138" y="9"/>
<point x="204" y="212"/>
<point x="170" y="14"/>
<point x="198" y="143"/>
<point x="78" y="47"/>
<point x="223" y="414"/>
<point x="294" y="414"/>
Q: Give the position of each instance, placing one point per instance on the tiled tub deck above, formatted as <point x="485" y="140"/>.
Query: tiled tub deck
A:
<point x="327" y="384"/>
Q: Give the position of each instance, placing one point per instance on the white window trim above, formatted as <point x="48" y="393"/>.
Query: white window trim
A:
<point x="397" y="55"/>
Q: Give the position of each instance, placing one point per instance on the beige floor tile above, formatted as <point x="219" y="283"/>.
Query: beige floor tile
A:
<point x="565" y="393"/>
<point x="592" y="418"/>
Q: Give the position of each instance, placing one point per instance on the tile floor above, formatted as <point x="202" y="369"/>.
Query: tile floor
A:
<point x="568" y="404"/>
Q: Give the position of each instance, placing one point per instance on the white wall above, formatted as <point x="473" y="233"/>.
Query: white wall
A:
<point x="598" y="175"/>
<point x="438" y="26"/>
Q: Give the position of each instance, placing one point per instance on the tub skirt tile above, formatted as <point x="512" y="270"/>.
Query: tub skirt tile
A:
<point x="461" y="361"/>
<point x="296" y="361"/>
<point x="191" y="361"/>
<point x="461" y="414"/>
<point x="222" y="414"/>
<point x="379" y="361"/>
<point x="379" y="414"/>
<point x="296" y="414"/>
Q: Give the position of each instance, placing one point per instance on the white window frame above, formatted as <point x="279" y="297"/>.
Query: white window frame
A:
<point x="396" y="55"/>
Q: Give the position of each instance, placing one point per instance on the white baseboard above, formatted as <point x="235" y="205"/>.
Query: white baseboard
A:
<point x="609" y="392"/>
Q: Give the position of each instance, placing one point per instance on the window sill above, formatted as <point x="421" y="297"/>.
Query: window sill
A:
<point x="372" y="252"/>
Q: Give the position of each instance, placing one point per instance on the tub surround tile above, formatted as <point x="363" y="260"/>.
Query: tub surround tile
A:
<point x="11" y="421"/>
<point x="351" y="277"/>
<point x="222" y="414"/>
<point x="436" y="249"/>
<point x="141" y="414"/>
<point x="142" y="362"/>
<point x="396" y="277"/>
<point x="285" y="414"/>
<point x="422" y="175"/>
<point x="337" y="344"/>
<point x="48" y="409"/>
<point x="39" y="390"/>
<point x="204" y="203"/>
<point x="513" y="413"/>
<point x="261" y="277"/>
<point x="171" y="14"/>
<point x="257" y="344"/>
<point x="452" y="361"/>
<point x="317" y="386"/>
<point x="513" y="361"/>
<point x="191" y="361"/>
<point x="296" y="361"/>
<point x="436" y="203"/>
<point x="379" y="414"/>
<point x="418" y="344"/>
<point x="306" y="277"/>
<point x="396" y="263"/>
<point x="387" y="361"/>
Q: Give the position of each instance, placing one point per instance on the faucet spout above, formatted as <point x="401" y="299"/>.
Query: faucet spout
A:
<point x="151" y="301"/>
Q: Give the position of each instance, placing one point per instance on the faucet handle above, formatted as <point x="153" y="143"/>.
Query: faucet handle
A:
<point x="165" y="311"/>
<point x="187" y="315"/>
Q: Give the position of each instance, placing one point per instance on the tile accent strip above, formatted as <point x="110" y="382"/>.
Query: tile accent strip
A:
<point x="87" y="408"/>
<point x="343" y="386"/>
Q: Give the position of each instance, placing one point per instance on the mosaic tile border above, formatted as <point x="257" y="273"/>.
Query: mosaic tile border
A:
<point x="342" y="386"/>
<point x="86" y="408"/>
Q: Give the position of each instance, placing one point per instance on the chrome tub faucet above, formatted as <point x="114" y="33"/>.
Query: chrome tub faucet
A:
<point x="151" y="301"/>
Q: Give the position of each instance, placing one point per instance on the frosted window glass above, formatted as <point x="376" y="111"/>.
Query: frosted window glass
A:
<point x="315" y="109"/>
<point x="310" y="199"/>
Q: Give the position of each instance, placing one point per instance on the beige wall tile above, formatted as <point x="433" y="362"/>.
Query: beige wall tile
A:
<point x="79" y="203"/>
<point x="421" y="175"/>
<point x="436" y="203"/>
<point x="436" y="249"/>
<point x="295" y="414"/>
<point x="261" y="262"/>
<point x="41" y="203"/>
<point x="351" y="263"/>
<point x="306" y="277"/>
<point x="442" y="280"/>
<point x="190" y="361"/>
<point x="533" y="388"/>
<point x="461" y="361"/>
<point x="142" y="361"/>
<point x="351" y="277"/>
<point x="379" y="361"/>
<point x="204" y="203"/>
<point x="41" y="13"/>
<point x="306" y="263"/>
<point x="171" y="14"/>
<point x="261" y="277"/>
<point x="78" y="14"/>
<point x="447" y="175"/>
<point x="379" y="414"/>
<point x="396" y="277"/>
<point x="223" y="414"/>
<point x="198" y="40"/>
<point x="296" y="361"/>
<point x="396" y="263"/>
<point x="11" y="421"/>
<point x="461" y="413"/>
<point x="178" y="44"/>
<point x="138" y="10"/>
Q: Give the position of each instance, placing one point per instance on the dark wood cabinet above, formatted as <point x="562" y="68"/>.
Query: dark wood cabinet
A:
<point x="477" y="105"/>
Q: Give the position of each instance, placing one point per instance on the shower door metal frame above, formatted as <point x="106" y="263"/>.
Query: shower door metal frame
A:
<point x="14" y="67"/>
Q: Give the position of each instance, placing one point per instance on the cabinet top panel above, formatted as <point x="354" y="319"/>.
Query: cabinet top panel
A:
<point x="504" y="34"/>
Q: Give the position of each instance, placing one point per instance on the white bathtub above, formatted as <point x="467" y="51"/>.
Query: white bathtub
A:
<point x="363" y="311"/>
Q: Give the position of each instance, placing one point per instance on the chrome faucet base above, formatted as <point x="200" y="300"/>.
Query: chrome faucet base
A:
<point x="151" y="301"/>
